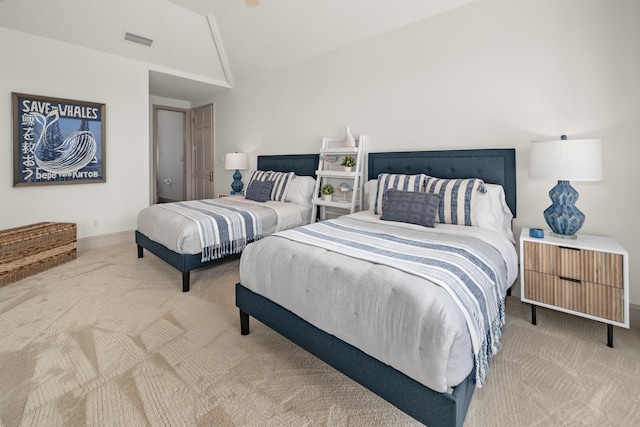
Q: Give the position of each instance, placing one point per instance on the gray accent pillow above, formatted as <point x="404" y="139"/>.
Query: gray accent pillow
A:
<point x="259" y="191"/>
<point x="412" y="207"/>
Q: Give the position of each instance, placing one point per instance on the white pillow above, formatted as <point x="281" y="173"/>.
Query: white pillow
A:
<point x="301" y="190"/>
<point x="370" y="189"/>
<point x="492" y="211"/>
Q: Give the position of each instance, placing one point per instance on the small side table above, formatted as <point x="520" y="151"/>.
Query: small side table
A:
<point x="587" y="277"/>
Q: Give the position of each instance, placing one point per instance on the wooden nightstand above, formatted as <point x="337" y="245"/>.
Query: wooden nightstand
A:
<point x="587" y="276"/>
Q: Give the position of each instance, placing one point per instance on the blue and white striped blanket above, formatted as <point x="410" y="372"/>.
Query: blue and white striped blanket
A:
<point x="223" y="229"/>
<point x="464" y="273"/>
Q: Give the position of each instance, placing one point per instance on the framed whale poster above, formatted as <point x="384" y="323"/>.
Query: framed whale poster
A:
<point x="57" y="141"/>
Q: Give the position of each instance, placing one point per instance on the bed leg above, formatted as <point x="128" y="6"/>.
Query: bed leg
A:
<point x="509" y="292"/>
<point x="140" y="251"/>
<point x="244" y="323"/>
<point x="185" y="281"/>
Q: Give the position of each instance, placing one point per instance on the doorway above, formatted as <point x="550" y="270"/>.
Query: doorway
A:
<point x="183" y="153"/>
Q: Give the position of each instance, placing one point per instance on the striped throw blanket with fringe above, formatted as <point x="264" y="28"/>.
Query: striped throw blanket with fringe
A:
<point x="223" y="229"/>
<point x="464" y="274"/>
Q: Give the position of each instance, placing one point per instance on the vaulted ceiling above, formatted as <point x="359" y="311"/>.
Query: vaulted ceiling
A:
<point x="204" y="46"/>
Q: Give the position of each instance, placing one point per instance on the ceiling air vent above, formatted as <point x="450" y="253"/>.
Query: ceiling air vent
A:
<point x="138" y="39"/>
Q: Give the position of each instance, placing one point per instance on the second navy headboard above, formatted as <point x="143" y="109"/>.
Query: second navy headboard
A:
<point x="301" y="164"/>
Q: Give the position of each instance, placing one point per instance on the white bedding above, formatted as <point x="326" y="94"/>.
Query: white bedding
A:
<point x="180" y="234"/>
<point x="396" y="317"/>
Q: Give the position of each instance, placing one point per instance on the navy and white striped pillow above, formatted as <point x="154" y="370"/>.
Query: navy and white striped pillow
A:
<point x="458" y="199"/>
<point x="258" y="176"/>
<point x="397" y="182"/>
<point x="281" y="182"/>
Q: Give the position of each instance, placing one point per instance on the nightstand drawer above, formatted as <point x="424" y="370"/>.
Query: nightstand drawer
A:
<point x="603" y="268"/>
<point x="568" y="262"/>
<point x="539" y="257"/>
<point x="572" y="263"/>
<point x="539" y="287"/>
<point x="551" y="259"/>
<point x="554" y="290"/>
<point x="604" y="301"/>
<point x="590" y="298"/>
<point x="569" y="293"/>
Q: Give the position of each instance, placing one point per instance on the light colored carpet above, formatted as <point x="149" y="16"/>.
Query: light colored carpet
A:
<point x="110" y="340"/>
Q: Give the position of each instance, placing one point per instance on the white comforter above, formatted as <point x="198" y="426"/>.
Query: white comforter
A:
<point x="180" y="234"/>
<point x="398" y="318"/>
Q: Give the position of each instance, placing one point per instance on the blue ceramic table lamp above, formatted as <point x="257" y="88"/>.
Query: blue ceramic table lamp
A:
<point x="566" y="160"/>
<point x="237" y="161"/>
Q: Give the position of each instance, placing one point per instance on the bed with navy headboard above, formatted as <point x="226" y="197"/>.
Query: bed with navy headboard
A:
<point x="355" y="315"/>
<point x="303" y="165"/>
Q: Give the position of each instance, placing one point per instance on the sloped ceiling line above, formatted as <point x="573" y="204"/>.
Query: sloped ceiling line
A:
<point x="217" y="40"/>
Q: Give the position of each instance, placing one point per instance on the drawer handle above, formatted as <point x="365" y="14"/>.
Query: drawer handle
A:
<point x="571" y="249"/>
<point x="570" y="279"/>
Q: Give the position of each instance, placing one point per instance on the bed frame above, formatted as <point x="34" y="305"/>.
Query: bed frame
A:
<point x="433" y="408"/>
<point x="301" y="164"/>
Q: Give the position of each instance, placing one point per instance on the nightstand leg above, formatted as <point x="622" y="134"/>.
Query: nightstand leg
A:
<point x="610" y="336"/>
<point x="533" y="315"/>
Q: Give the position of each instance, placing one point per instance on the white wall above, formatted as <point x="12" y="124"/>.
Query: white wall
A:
<point x="40" y="66"/>
<point x="489" y="74"/>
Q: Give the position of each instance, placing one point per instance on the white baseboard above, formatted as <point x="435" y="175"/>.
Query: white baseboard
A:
<point x="105" y="240"/>
<point x="634" y="315"/>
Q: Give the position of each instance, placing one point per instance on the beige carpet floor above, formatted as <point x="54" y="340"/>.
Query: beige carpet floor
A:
<point x="110" y="340"/>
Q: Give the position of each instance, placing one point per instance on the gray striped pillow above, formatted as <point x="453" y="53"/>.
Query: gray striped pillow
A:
<point x="397" y="182"/>
<point x="458" y="199"/>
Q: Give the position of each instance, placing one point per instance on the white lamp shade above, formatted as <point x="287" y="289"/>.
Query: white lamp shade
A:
<point x="239" y="161"/>
<point x="567" y="160"/>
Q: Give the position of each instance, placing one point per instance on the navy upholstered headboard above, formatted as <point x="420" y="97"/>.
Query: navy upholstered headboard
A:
<point x="301" y="164"/>
<point x="492" y="165"/>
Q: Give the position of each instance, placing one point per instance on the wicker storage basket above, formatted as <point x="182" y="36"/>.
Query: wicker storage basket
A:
<point x="28" y="250"/>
